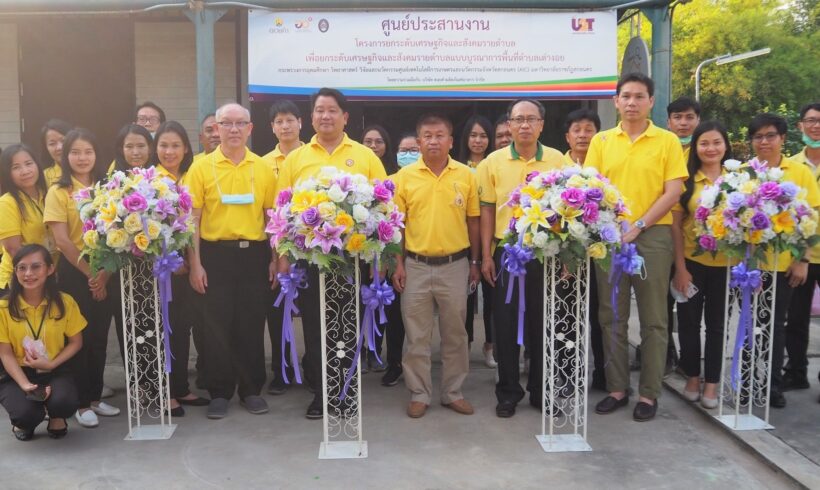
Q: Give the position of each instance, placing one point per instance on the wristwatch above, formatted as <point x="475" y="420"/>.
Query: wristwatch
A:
<point x="640" y="224"/>
<point x="475" y="262"/>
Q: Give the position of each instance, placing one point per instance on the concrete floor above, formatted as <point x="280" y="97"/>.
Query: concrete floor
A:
<point x="679" y="449"/>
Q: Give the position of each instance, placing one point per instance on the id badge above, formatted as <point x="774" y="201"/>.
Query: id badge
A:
<point x="238" y="198"/>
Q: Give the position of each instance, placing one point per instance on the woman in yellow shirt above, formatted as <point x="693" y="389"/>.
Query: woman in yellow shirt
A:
<point x="710" y="148"/>
<point x="51" y="136"/>
<point x="39" y="331"/>
<point x="80" y="170"/>
<point x="21" y="207"/>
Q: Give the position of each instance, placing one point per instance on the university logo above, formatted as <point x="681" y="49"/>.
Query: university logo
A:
<point x="582" y="25"/>
<point x="303" y="24"/>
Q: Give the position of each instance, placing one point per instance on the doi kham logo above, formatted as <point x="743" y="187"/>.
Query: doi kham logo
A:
<point x="278" y="26"/>
<point x="582" y="26"/>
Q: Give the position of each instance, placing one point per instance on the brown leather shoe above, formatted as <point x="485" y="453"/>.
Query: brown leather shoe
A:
<point x="461" y="406"/>
<point x="416" y="410"/>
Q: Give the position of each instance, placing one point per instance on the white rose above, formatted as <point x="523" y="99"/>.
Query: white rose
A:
<point x="589" y="172"/>
<point x="775" y="173"/>
<point x="769" y="208"/>
<point x="540" y="239"/>
<point x="552" y="248"/>
<point x="708" y="196"/>
<point x="731" y="165"/>
<point x="578" y="230"/>
<point x="336" y="194"/>
<point x="360" y="213"/>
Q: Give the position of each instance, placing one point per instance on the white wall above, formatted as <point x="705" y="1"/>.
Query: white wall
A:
<point x="9" y="87"/>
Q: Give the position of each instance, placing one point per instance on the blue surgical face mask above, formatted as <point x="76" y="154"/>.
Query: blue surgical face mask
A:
<point x="686" y="141"/>
<point x="405" y="158"/>
<point x="810" y="142"/>
<point x="237" y="198"/>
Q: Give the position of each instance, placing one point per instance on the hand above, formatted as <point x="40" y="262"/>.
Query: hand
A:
<point x="28" y="387"/>
<point x="565" y="273"/>
<point x="273" y="268"/>
<point x="797" y="273"/>
<point x="198" y="278"/>
<point x="283" y="265"/>
<point x="475" y="276"/>
<point x="631" y="234"/>
<point x="488" y="270"/>
<point x="681" y="280"/>
<point x="99" y="294"/>
<point x="39" y="363"/>
<point x="399" y="278"/>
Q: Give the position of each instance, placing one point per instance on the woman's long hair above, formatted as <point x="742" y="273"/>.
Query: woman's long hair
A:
<point x="694" y="163"/>
<point x="389" y="158"/>
<point x="120" y="163"/>
<point x="72" y="137"/>
<point x="51" y="293"/>
<point x="7" y="183"/>
<point x="61" y="127"/>
<point x="464" y="152"/>
<point x="175" y="127"/>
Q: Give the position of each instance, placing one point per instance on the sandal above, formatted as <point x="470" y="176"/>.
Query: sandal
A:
<point x="22" y="435"/>
<point x="57" y="433"/>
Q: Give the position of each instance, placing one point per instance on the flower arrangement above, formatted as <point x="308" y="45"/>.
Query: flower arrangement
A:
<point x="571" y="212"/>
<point x="749" y="210"/>
<point x="135" y="214"/>
<point x="335" y="216"/>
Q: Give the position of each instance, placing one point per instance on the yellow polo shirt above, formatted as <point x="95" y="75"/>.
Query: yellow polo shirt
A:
<point x="436" y="207"/>
<point x="686" y="152"/>
<point x="814" y="252"/>
<point x="276" y="158"/>
<point x="799" y="174"/>
<point x="503" y="171"/>
<point x="308" y="160"/>
<point x="568" y="158"/>
<point x="62" y="208"/>
<point x="640" y="168"/>
<point x="214" y="176"/>
<point x="688" y="224"/>
<point x="30" y="229"/>
<point x="163" y="172"/>
<point x="53" y="332"/>
<point x="53" y="174"/>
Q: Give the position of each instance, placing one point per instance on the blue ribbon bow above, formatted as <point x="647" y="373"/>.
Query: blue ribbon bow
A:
<point x="624" y="261"/>
<point x="514" y="259"/>
<point x="290" y="283"/>
<point x="164" y="267"/>
<point x="747" y="280"/>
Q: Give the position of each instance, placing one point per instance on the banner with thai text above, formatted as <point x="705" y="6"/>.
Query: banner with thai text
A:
<point x="433" y="54"/>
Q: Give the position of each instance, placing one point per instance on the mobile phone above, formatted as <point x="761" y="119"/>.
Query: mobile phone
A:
<point x="37" y="394"/>
<point x="471" y="287"/>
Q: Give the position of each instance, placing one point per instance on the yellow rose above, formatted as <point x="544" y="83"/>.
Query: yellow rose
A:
<point x="755" y="236"/>
<point x="344" y="219"/>
<point x="597" y="250"/>
<point x="153" y="229"/>
<point x="746" y="217"/>
<point x="142" y="241"/>
<point x="356" y="243"/>
<point x="90" y="239"/>
<point x="108" y="212"/>
<point x="576" y="181"/>
<point x="327" y="210"/>
<point x="133" y="223"/>
<point x="748" y="187"/>
<point x="715" y="221"/>
<point x="808" y="227"/>
<point x="610" y="196"/>
<point x="160" y="186"/>
<point x="301" y="200"/>
<point x="116" y="238"/>
<point x="783" y="222"/>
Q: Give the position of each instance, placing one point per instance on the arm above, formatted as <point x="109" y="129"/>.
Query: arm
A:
<point x="671" y="194"/>
<point x="70" y="251"/>
<point x="486" y="232"/>
<point x="400" y="275"/>
<point x="12" y="244"/>
<point x="682" y="276"/>
<point x="75" y="343"/>
<point x="13" y="369"/>
<point x="197" y="276"/>
<point x="473" y="230"/>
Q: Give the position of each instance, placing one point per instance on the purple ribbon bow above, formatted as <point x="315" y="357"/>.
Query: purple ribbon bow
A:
<point x="164" y="267"/>
<point x="747" y="280"/>
<point x="514" y="259"/>
<point x="375" y="296"/>
<point x="290" y="283"/>
<point x="624" y="261"/>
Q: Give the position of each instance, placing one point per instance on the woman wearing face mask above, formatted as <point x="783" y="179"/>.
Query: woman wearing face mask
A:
<point x="710" y="148"/>
<point x="21" y="207"/>
<point x="80" y="170"/>
<point x="40" y="329"/>
<point x="51" y="137"/>
<point x="408" y="150"/>
<point x="133" y="148"/>
<point x="174" y="156"/>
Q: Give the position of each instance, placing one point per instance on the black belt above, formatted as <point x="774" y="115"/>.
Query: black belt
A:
<point x="236" y="243"/>
<point x="447" y="259"/>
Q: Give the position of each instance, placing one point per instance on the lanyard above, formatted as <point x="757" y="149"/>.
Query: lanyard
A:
<point x="34" y="203"/>
<point x="34" y="334"/>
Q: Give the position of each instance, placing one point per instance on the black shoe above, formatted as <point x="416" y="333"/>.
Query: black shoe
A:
<point x="391" y="377"/>
<point x="505" y="409"/>
<point x="178" y="412"/>
<point x="610" y="404"/>
<point x="599" y="380"/>
<point x="194" y="402"/>
<point x="776" y="399"/>
<point x="277" y="385"/>
<point x="57" y="433"/>
<point x="314" y="410"/>
<point x="22" y="435"/>
<point x="793" y="380"/>
<point x="644" y="412"/>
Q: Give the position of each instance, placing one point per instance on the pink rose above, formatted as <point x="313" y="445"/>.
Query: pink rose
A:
<point x="135" y="203"/>
<point x="385" y="232"/>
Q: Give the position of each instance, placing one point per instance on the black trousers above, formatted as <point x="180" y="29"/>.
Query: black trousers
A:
<point x="394" y="331"/>
<point x="505" y="321"/>
<point x="26" y="414"/>
<point x="782" y="300"/>
<point x="181" y="319"/>
<point x="711" y="300"/>
<point x="596" y="339"/>
<point x="233" y="317"/>
<point x="487" y="312"/>
<point x="797" y="328"/>
<point x="88" y="364"/>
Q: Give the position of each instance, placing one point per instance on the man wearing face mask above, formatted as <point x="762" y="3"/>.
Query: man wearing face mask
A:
<point x="408" y="151"/>
<point x="231" y="264"/>
<point x="683" y="116"/>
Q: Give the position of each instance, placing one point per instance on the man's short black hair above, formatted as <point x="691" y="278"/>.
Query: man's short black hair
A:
<point x="430" y="119"/>
<point x="329" y="92"/>
<point x="502" y="119"/>
<point x="582" y="115"/>
<point x="150" y="104"/>
<point x="760" y="121"/>
<point x="814" y="106"/>
<point x="636" y="77"/>
<point x="541" y="110"/>
<point x="283" y="107"/>
<point x="683" y="104"/>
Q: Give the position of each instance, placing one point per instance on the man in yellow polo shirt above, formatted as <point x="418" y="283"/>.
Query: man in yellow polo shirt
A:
<point x="646" y="164"/>
<point x="579" y="128"/>
<point x="330" y="147"/>
<point x="498" y="175"/>
<point x="795" y="375"/>
<point x="231" y="264"/>
<point x="767" y="133"/>
<point x="208" y="136"/>
<point x="439" y="197"/>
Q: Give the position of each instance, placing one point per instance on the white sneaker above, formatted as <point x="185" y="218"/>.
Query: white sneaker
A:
<point x="489" y="360"/>
<point x="107" y="392"/>
<point x="87" y="419"/>
<point x="105" y="410"/>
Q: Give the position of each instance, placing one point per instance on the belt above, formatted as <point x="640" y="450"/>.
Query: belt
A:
<point x="447" y="259"/>
<point x="235" y="243"/>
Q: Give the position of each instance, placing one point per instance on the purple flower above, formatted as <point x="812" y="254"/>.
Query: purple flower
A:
<point x="136" y="251"/>
<point x="701" y="213"/>
<point x="511" y="224"/>
<point x="760" y="221"/>
<point x="327" y="237"/>
<point x="164" y="208"/>
<point x="278" y="225"/>
<point x="284" y="198"/>
<point x="595" y="194"/>
<point x="730" y="220"/>
<point x="769" y="190"/>
<point x="135" y="203"/>
<point x="299" y="241"/>
<point x="385" y="230"/>
<point x="382" y="193"/>
<point x="390" y="185"/>
<point x="185" y="202"/>
<point x="344" y="182"/>
<point x="88" y="225"/>
<point x="590" y="213"/>
<point x="531" y="176"/>
<point x="311" y="217"/>
<point x="573" y="197"/>
<point x="708" y="242"/>
<point x="758" y="166"/>
<point x="609" y="233"/>
<point x="515" y="197"/>
<point x="397" y="218"/>
<point x="736" y="200"/>
<point x="552" y="177"/>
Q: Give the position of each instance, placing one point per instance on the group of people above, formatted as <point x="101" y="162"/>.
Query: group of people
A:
<point x="56" y="312"/>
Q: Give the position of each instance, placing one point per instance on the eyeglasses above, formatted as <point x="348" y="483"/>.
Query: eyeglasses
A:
<point x="518" y="121"/>
<point x="147" y="119"/>
<point x="810" y="121"/>
<point x="233" y="124"/>
<point x="767" y="137"/>
<point x="377" y="141"/>
<point x="34" y="268"/>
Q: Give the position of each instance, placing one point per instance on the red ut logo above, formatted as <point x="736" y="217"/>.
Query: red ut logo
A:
<point x="582" y="25"/>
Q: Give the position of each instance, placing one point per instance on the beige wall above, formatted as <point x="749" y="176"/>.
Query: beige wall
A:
<point x="165" y="58"/>
<point x="9" y="89"/>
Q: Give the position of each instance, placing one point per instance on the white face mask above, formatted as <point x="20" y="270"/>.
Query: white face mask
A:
<point x="237" y="198"/>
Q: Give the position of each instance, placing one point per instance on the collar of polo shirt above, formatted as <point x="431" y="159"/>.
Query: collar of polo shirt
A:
<point x="539" y="152"/>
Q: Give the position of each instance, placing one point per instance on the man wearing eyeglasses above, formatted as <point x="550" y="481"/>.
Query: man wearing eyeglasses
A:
<point x="795" y="375"/>
<point x="498" y="175"/>
<point x="767" y="133"/>
<point x="329" y="147"/>
<point x="149" y="116"/>
<point x="231" y="264"/>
